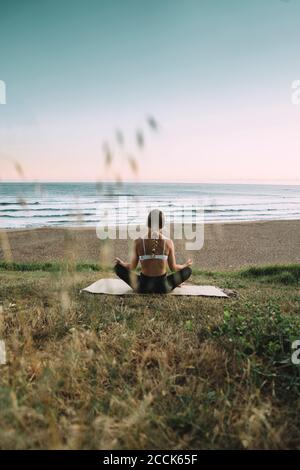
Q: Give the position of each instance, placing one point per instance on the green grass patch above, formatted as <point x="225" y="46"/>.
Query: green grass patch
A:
<point x="49" y="266"/>
<point x="284" y="274"/>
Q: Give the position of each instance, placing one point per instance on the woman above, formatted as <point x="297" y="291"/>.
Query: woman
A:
<point x="154" y="253"/>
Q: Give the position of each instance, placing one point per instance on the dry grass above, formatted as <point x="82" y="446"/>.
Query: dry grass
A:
<point x="93" y="372"/>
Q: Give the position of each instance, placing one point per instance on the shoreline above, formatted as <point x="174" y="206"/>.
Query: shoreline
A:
<point x="226" y="246"/>
<point x="93" y="227"/>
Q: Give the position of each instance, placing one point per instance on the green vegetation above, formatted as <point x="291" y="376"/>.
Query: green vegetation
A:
<point x="50" y="266"/>
<point x="99" y="372"/>
<point x="285" y="274"/>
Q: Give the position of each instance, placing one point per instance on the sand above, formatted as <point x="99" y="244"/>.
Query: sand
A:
<point x="226" y="246"/>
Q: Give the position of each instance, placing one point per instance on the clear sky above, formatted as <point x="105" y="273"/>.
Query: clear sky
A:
<point x="216" y="75"/>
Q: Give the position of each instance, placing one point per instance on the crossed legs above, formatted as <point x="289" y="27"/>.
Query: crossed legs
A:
<point x="175" y="279"/>
<point x="168" y="283"/>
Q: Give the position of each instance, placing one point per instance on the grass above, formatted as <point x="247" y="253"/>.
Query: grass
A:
<point x="49" y="267"/>
<point x="148" y="372"/>
<point x="285" y="274"/>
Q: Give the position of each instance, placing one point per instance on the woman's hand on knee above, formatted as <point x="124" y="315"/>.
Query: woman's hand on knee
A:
<point x="119" y="261"/>
<point x="122" y="263"/>
<point x="188" y="263"/>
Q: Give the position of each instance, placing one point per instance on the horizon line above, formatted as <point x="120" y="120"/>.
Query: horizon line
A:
<point x="229" y="182"/>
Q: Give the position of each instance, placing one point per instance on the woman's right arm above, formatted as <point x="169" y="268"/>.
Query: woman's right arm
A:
<point x="172" y="259"/>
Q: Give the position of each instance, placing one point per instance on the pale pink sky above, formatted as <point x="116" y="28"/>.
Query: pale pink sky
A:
<point x="238" y="143"/>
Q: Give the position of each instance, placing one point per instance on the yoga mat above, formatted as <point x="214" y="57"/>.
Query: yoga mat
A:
<point x="119" y="287"/>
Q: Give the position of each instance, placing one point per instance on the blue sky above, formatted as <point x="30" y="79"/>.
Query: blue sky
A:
<point x="216" y="75"/>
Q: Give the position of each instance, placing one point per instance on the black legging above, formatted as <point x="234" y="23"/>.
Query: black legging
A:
<point x="150" y="284"/>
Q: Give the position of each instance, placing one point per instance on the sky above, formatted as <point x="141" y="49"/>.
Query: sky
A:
<point x="216" y="76"/>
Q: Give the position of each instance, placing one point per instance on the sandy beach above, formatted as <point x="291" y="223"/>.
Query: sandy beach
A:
<point x="226" y="246"/>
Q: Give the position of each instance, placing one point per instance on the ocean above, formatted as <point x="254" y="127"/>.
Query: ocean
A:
<point x="32" y="205"/>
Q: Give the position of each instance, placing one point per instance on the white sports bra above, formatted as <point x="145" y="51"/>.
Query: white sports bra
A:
<point x="145" y="257"/>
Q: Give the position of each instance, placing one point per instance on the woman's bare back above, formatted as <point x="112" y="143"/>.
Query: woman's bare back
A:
<point x="150" y="247"/>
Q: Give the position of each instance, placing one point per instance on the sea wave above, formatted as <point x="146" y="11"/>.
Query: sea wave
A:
<point x="69" y="204"/>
